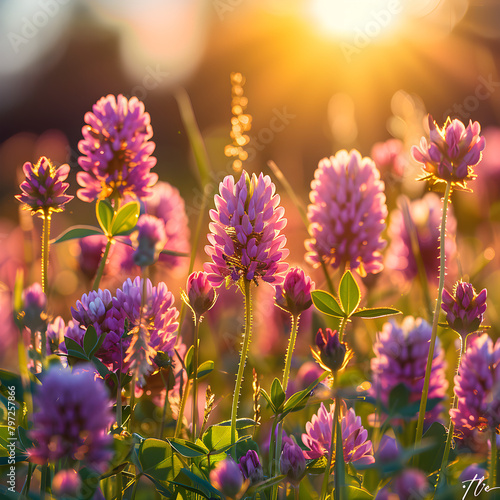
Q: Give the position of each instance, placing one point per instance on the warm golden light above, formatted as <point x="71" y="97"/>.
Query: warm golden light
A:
<point x="349" y="18"/>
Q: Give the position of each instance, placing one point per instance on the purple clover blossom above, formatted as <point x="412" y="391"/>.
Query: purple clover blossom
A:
<point x="318" y="436"/>
<point x="389" y="157"/>
<point x="401" y="357"/>
<point x="227" y="478"/>
<point x="200" y="296"/>
<point x="74" y="413"/>
<point x="148" y="240"/>
<point x="43" y="190"/>
<point x="117" y="151"/>
<point x="292" y="461"/>
<point x="34" y="306"/>
<point x="251" y="467"/>
<point x="411" y="484"/>
<point x="451" y="153"/>
<point x="425" y="217"/>
<point x="476" y="387"/>
<point x="167" y="204"/>
<point x="465" y="308"/>
<point x="347" y="214"/>
<point x="56" y="330"/>
<point x="294" y="296"/>
<point x="245" y="239"/>
<point x="332" y="352"/>
<point x="91" y="250"/>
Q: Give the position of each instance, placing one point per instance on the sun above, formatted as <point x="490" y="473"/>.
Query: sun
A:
<point x="349" y="18"/>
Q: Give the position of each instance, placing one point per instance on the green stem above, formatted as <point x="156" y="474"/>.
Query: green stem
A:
<point x="195" y="379"/>
<point x="119" y="486"/>
<point x="451" y="429"/>
<point x="327" y="277"/>
<point x="102" y="263"/>
<point x="43" y="481"/>
<point x="493" y="460"/>
<point x="289" y="352"/>
<point x="243" y="358"/>
<point x="165" y="403"/>
<point x="45" y="248"/>
<point x="442" y="269"/>
<point x="134" y="489"/>
<point x="326" y="477"/>
<point x="184" y="397"/>
<point x="27" y="483"/>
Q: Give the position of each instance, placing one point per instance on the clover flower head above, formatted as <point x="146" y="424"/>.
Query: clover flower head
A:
<point x="357" y="447"/>
<point x="200" y="296"/>
<point x="43" y="190"/>
<point x="401" y="357"/>
<point x="72" y="418"/>
<point x="331" y="352"/>
<point x="148" y="240"/>
<point x="292" y="461"/>
<point x="117" y="150"/>
<point x="227" y="478"/>
<point x="347" y="214"/>
<point x="245" y="239"/>
<point x="251" y="467"/>
<point x="294" y="296"/>
<point x="477" y="385"/>
<point x="465" y="308"/>
<point x="451" y="153"/>
<point x="34" y="307"/>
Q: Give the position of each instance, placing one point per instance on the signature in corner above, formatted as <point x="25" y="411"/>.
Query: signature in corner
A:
<point x="480" y="486"/>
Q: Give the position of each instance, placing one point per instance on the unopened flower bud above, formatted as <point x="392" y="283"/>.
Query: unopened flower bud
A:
<point x="465" y="309"/>
<point x="412" y="483"/>
<point x="200" y="295"/>
<point x="251" y="467"/>
<point x="292" y="462"/>
<point x="227" y="478"/>
<point x="35" y="303"/>
<point x="294" y="296"/>
<point x="331" y="351"/>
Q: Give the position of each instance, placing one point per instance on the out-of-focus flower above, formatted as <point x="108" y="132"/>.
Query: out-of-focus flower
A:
<point x="91" y="250"/>
<point x="44" y="191"/>
<point x="347" y="214"/>
<point x="401" y="357"/>
<point x="411" y="484"/>
<point x="472" y="472"/>
<point x="332" y="353"/>
<point x="72" y="418"/>
<point x="357" y="447"/>
<point x="66" y="483"/>
<point x="425" y="215"/>
<point x="117" y="151"/>
<point x="251" y="467"/>
<point x="148" y="240"/>
<point x="227" y="478"/>
<point x="34" y="306"/>
<point x="245" y="239"/>
<point x="200" y="296"/>
<point x="56" y="330"/>
<point x="451" y="153"/>
<point x="292" y="461"/>
<point x="465" y="308"/>
<point x="167" y="204"/>
<point x="389" y="157"/>
<point x="294" y="296"/>
<point x="388" y="450"/>
<point x="476" y="386"/>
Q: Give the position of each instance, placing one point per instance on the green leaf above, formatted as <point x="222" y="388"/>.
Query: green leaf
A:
<point x="205" y="368"/>
<point x="77" y="232"/>
<point x="375" y="312"/>
<point x="188" y="449"/>
<point x="198" y="484"/>
<point x="268" y="399"/>
<point x="216" y="438"/>
<point x="157" y="459"/>
<point x="349" y="293"/>
<point x="75" y="349"/>
<point x="24" y="439"/>
<point x="188" y="362"/>
<point x="297" y="400"/>
<point x="326" y="303"/>
<point x="126" y="218"/>
<point x="104" y="213"/>
<point x="277" y="394"/>
<point x="9" y="379"/>
<point x="91" y="342"/>
<point x="435" y="437"/>
<point x="241" y="423"/>
<point x="354" y="493"/>
<point x="264" y="484"/>
<point x="398" y="399"/>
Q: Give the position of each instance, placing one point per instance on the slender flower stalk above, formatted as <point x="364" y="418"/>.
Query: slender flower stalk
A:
<point x="437" y="310"/>
<point x="102" y="264"/>
<point x="493" y="458"/>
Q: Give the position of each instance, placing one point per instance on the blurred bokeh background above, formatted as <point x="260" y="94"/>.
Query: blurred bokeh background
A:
<point x="321" y="75"/>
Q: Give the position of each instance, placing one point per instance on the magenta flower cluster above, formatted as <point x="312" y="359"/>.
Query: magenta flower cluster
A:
<point x="452" y="151"/>
<point x="347" y="214"/>
<point x="72" y="419"/>
<point x="465" y="308"/>
<point x="117" y="150"/>
<point x="245" y="239"/>
<point x="43" y="190"/>
<point x="401" y="357"/>
<point x="318" y="436"/>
